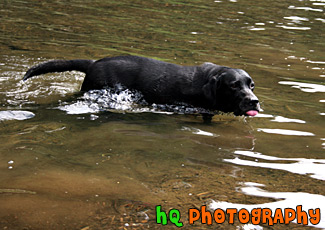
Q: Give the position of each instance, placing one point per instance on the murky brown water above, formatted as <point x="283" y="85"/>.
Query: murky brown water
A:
<point x="68" y="162"/>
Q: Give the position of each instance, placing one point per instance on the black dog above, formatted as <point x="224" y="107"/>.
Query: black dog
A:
<point x="208" y="86"/>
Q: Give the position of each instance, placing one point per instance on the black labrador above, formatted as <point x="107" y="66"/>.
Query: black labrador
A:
<point x="208" y="86"/>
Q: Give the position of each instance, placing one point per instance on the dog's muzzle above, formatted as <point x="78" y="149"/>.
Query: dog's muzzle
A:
<point x="250" y="105"/>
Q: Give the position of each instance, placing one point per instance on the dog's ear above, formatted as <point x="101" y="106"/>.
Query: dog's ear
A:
<point x="210" y="89"/>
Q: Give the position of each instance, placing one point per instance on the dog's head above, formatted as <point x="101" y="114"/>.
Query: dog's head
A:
<point x="231" y="90"/>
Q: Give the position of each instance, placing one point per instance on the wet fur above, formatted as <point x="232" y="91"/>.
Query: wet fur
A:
<point x="208" y="86"/>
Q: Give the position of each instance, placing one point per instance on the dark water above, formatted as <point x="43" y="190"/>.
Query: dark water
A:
<point x="71" y="161"/>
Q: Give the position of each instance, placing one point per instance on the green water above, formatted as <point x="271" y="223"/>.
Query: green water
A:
<point x="109" y="169"/>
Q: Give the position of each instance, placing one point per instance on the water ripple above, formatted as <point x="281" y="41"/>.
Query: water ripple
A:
<point x="304" y="8"/>
<point x="284" y="119"/>
<point x="286" y="132"/>
<point x="294" y="27"/>
<point x="284" y="200"/>
<point x="296" y="19"/>
<point x="15" y="115"/>
<point x="312" y="167"/>
<point x="199" y="132"/>
<point x="305" y="87"/>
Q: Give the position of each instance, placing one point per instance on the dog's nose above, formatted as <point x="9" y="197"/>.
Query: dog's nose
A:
<point x="253" y="102"/>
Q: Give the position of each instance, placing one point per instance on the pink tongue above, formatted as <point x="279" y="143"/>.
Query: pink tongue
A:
<point x="252" y="113"/>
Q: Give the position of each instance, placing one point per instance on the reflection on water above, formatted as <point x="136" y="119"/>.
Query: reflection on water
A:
<point x="294" y="27"/>
<point x="304" y="166"/>
<point x="284" y="119"/>
<point x="305" y="8"/>
<point x="286" y="132"/>
<point x="305" y="87"/>
<point x="104" y="159"/>
<point x="284" y="200"/>
<point x="199" y="132"/>
<point x="15" y="115"/>
<point x="280" y="119"/>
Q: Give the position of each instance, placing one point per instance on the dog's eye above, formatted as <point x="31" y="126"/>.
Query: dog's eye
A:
<point x="235" y="85"/>
<point x="252" y="86"/>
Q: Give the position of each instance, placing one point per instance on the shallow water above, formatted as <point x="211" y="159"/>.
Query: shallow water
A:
<point x="102" y="161"/>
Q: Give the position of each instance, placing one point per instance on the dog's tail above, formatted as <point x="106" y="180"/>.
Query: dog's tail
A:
<point x="58" y="66"/>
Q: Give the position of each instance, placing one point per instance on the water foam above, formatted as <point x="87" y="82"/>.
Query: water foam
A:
<point x="121" y="99"/>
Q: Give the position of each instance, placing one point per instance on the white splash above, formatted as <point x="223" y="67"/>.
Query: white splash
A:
<point x="125" y="100"/>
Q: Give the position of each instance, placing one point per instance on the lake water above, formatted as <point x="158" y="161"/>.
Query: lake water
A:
<point x="101" y="161"/>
